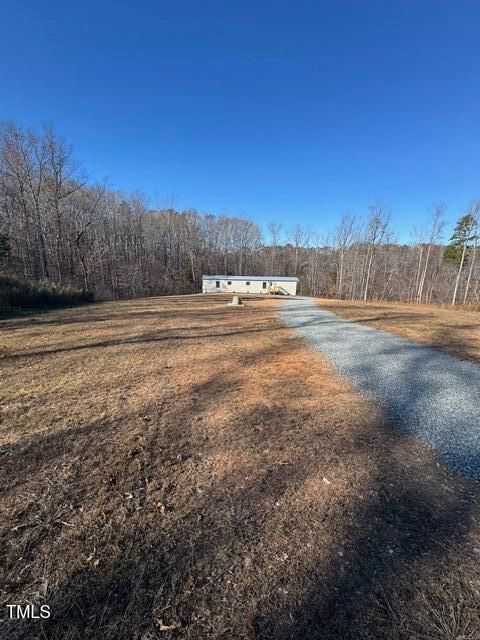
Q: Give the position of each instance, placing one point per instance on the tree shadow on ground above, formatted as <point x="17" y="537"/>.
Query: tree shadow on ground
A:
<point x="126" y="309"/>
<point x="319" y="526"/>
<point x="393" y="581"/>
<point x="263" y="500"/>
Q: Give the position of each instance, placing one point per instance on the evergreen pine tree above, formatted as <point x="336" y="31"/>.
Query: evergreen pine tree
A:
<point x="463" y="237"/>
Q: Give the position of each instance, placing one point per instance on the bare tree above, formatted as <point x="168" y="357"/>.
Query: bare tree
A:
<point x="300" y="238"/>
<point x="344" y="234"/>
<point x="377" y="232"/>
<point x="438" y="212"/>
<point x="275" y="231"/>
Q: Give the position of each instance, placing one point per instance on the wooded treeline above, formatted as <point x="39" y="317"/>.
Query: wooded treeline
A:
<point x="57" y="226"/>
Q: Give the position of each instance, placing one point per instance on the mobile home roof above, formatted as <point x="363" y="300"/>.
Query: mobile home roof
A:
<point x="273" y="278"/>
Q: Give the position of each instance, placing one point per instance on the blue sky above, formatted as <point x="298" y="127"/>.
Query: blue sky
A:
<point x="293" y="111"/>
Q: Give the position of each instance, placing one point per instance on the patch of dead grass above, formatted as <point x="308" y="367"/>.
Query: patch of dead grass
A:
<point x="174" y="468"/>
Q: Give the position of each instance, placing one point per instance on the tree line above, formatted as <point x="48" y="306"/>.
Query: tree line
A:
<point x="57" y="226"/>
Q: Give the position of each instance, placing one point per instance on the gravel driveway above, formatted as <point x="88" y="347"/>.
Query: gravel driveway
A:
<point x="426" y="392"/>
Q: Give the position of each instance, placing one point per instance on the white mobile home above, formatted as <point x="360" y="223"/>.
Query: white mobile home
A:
<point x="281" y="285"/>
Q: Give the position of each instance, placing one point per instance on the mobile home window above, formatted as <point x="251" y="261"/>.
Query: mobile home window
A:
<point x="247" y="283"/>
<point x="264" y="285"/>
<point x="217" y="284"/>
<point x="229" y="282"/>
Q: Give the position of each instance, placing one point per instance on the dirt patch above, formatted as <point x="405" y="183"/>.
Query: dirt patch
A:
<point x="174" y="468"/>
<point x="453" y="331"/>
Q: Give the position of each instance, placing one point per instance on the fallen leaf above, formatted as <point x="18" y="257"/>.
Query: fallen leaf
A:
<point x="168" y="627"/>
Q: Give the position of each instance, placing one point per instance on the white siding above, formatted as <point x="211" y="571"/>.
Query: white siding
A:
<point x="242" y="286"/>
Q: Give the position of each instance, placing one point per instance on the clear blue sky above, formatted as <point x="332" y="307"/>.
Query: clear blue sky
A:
<point x="284" y="110"/>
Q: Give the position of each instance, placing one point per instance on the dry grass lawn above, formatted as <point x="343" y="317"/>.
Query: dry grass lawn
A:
<point x="455" y="331"/>
<point x="175" y="468"/>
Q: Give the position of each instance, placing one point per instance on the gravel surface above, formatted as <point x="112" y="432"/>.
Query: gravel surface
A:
<point x="426" y="392"/>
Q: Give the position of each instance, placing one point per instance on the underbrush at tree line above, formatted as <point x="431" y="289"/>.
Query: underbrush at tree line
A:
<point x="22" y="295"/>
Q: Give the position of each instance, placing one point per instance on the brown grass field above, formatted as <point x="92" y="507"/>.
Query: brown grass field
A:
<point x="455" y="331"/>
<point x="175" y="468"/>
